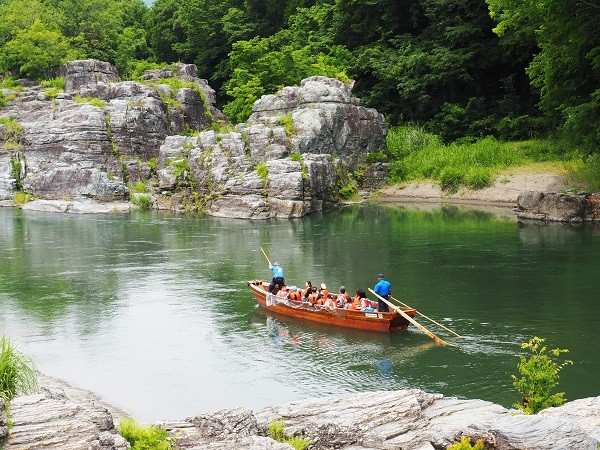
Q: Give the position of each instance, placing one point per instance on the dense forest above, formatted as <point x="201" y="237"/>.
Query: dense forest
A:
<point x="464" y="69"/>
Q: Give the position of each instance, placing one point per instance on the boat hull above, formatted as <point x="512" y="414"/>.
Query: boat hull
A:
<point x="383" y="322"/>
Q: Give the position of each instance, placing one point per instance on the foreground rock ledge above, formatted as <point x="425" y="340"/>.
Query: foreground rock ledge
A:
<point x="62" y="417"/>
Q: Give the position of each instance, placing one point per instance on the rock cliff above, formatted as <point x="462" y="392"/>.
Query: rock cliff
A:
<point x="164" y="135"/>
<point x="64" y="417"/>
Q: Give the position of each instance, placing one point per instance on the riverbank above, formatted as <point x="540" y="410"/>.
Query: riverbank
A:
<point x="499" y="198"/>
<point x="62" y="416"/>
<point x="502" y="193"/>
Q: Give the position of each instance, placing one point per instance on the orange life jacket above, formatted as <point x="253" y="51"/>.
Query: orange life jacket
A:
<point x="295" y="295"/>
<point x="312" y="298"/>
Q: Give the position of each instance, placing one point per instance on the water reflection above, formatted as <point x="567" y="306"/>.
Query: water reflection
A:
<point x="152" y="310"/>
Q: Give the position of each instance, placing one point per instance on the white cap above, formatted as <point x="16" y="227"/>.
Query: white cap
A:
<point x="323" y="286"/>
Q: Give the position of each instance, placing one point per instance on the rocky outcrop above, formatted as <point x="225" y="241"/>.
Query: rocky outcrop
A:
<point x="558" y="207"/>
<point x="408" y="420"/>
<point x="3" y="421"/>
<point x="62" y="417"/>
<point x="101" y="135"/>
<point x="69" y="418"/>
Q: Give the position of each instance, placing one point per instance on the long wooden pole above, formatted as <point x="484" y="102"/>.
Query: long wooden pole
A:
<point x="428" y="318"/>
<point x="268" y="260"/>
<point x="410" y="319"/>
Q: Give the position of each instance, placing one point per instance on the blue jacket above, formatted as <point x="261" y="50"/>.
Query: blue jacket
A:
<point x="383" y="287"/>
<point x="277" y="271"/>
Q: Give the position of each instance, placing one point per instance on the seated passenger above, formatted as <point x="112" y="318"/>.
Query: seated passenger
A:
<point x="324" y="291"/>
<point x="313" y="296"/>
<point x="294" y="294"/>
<point x="356" y="300"/>
<point x="307" y="289"/>
<point x="283" y="293"/>
<point x="342" y="297"/>
<point x="330" y="303"/>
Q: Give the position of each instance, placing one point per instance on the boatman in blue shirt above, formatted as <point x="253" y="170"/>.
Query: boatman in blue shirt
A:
<point x="383" y="288"/>
<point x="277" y="276"/>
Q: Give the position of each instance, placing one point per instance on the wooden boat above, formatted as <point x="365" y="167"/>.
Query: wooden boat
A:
<point x="361" y="320"/>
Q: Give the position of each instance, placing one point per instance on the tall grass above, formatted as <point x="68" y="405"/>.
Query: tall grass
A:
<point x="17" y="372"/>
<point x="417" y="154"/>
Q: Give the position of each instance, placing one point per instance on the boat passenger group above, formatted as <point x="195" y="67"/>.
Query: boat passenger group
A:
<point x="313" y="296"/>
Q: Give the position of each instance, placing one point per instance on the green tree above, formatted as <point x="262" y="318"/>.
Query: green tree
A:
<point x="165" y="30"/>
<point x="566" y="69"/>
<point x="264" y="65"/>
<point x="35" y="50"/>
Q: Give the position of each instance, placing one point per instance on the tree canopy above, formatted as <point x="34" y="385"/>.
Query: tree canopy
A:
<point x="462" y="68"/>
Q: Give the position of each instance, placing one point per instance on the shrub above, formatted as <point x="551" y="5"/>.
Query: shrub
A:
<point x="22" y="197"/>
<point x="288" y="124"/>
<point x="262" y="171"/>
<point x="144" y="438"/>
<point x="137" y="187"/>
<point x="12" y="84"/>
<point x="153" y="165"/>
<point x="296" y="157"/>
<point x="377" y="156"/>
<point x="465" y="444"/>
<point x="17" y="372"/>
<point x="539" y="376"/>
<point x="277" y="433"/>
<point x="54" y="83"/>
<point x="143" y="201"/>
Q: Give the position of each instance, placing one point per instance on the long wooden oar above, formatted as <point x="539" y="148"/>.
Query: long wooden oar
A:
<point x="410" y="319"/>
<point x="268" y="260"/>
<point x="428" y="318"/>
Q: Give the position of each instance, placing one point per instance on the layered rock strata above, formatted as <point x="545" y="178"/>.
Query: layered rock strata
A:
<point x="68" y="418"/>
<point x="101" y="135"/>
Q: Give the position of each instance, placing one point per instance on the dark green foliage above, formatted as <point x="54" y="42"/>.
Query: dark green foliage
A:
<point x="464" y="69"/>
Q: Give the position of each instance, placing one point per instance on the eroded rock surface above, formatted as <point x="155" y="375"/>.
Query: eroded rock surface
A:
<point x="407" y="420"/>
<point x="63" y="418"/>
<point x="68" y="418"/>
<point x="558" y="207"/>
<point x="101" y="135"/>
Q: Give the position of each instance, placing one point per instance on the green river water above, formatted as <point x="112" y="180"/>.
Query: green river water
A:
<point x="152" y="311"/>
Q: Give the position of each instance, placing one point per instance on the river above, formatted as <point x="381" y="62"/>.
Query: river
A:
<point x="152" y="312"/>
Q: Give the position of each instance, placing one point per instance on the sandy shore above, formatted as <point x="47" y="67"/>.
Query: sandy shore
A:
<point x="503" y="193"/>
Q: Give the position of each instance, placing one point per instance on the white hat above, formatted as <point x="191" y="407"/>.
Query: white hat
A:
<point x="323" y="286"/>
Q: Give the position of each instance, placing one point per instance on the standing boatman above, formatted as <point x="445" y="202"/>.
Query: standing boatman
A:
<point x="382" y="288"/>
<point x="277" y="276"/>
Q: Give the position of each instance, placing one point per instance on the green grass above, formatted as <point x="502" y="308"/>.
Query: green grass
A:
<point x="11" y="84"/>
<point x="277" y="433"/>
<point x="17" y="372"/>
<point x="465" y="444"/>
<point x="144" y="438"/>
<point x="418" y="155"/>
<point x="90" y="101"/>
